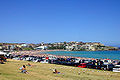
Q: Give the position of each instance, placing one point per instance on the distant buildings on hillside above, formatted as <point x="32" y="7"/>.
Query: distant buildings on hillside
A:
<point x="70" y="46"/>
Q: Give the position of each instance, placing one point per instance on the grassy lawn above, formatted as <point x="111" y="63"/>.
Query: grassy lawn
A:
<point x="10" y="71"/>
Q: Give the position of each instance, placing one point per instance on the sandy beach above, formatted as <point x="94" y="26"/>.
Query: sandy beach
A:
<point x="40" y="53"/>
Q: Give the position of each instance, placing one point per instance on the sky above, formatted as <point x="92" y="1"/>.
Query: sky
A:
<point x="35" y="21"/>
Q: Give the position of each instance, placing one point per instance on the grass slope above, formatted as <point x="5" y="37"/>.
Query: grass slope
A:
<point x="10" y="71"/>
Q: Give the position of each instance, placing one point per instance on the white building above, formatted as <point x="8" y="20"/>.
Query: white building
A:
<point x="0" y="47"/>
<point x="24" y="45"/>
<point x="41" y="47"/>
<point x="69" y="47"/>
<point x="73" y="46"/>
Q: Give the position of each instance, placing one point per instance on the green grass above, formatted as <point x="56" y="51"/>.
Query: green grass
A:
<point x="10" y="71"/>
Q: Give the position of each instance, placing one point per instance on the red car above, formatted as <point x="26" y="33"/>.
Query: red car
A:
<point x="82" y="65"/>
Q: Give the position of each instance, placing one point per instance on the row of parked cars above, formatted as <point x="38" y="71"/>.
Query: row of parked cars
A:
<point x="30" y="58"/>
<point x="103" y="64"/>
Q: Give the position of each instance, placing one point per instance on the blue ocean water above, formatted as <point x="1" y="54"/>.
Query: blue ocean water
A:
<point x="89" y="54"/>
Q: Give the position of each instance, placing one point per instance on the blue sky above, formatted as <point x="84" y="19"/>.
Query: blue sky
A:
<point x="34" y="21"/>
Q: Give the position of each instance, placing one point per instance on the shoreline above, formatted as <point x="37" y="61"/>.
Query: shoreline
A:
<point x="40" y="53"/>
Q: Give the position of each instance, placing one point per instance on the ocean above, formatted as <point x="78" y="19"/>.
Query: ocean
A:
<point x="115" y="55"/>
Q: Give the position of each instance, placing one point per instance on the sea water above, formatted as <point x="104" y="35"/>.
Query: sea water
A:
<point x="89" y="54"/>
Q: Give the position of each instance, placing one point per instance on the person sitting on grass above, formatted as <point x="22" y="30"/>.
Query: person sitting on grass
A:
<point x="23" y="68"/>
<point x="55" y="71"/>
